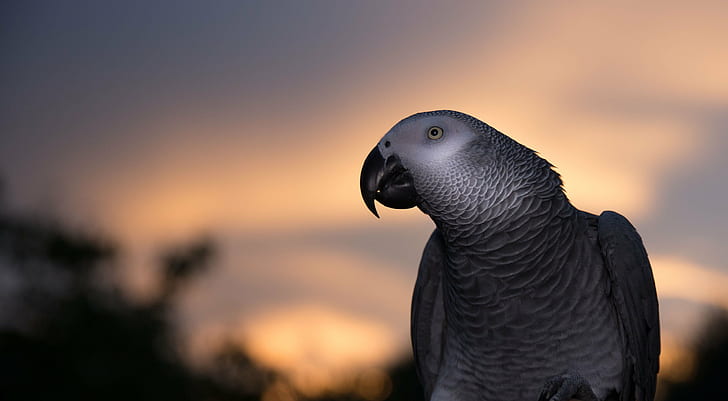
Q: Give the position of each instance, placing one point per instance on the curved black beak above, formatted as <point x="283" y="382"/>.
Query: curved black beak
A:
<point x="386" y="181"/>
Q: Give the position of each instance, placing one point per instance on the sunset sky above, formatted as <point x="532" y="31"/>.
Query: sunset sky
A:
<point x="155" y="122"/>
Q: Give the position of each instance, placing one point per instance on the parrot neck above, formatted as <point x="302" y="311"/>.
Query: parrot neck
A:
<point x="531" y="228"/>
<point x="517" y="255"/>
<point x="526" y="230"/>
<point x="506" y="245"/>
<point x="507" y="207"/>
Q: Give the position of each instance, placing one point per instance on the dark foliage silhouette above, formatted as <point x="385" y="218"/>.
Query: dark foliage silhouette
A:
<point x="403" y="385"/>
<point x="708" y="379"/>
<point x="67" y="331"/>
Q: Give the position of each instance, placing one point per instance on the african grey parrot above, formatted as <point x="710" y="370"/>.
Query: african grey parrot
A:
<point x="519" y="295"/>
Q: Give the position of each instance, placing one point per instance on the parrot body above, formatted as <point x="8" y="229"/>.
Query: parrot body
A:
<point x="519" y="295"/>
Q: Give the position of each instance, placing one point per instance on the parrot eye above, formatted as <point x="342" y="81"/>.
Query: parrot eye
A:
<point x="434" y="133"/>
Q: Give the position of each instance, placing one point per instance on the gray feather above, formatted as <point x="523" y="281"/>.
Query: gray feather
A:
<point x="635" y="299"/>
<point x="428" y="316"/>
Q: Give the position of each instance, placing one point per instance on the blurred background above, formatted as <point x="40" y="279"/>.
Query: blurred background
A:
<point x="180" y="215"/>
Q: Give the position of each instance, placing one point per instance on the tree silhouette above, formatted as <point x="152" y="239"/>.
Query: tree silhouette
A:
<point x="68" y="332"/>
<point x="708" y="379"/>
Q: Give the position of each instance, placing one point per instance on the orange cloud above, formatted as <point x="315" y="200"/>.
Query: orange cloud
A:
<point x="677" y="361"/>
<point x="317" y="346"/>
<point x="680" y="278"/>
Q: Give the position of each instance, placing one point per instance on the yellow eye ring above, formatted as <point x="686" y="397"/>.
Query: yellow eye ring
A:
<point x="434" y="133"/>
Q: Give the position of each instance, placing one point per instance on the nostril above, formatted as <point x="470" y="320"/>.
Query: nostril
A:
<point x="386" y="144"/>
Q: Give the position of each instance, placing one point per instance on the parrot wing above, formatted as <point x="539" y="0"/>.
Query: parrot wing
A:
<point x="635" y="300"/>
<point x="428" y="314"/>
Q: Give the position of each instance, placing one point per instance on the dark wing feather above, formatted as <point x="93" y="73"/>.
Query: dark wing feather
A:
<point x="428" y="314"/>
<point x="633" y="294"/>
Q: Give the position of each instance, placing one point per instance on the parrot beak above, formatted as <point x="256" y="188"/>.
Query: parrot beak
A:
<point x="386" y="181"/>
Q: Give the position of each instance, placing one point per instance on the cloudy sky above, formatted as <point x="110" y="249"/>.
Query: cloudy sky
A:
<point x="157" y="121"/>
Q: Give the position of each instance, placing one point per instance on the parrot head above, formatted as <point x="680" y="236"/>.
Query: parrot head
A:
<point x="429" y="160"/>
